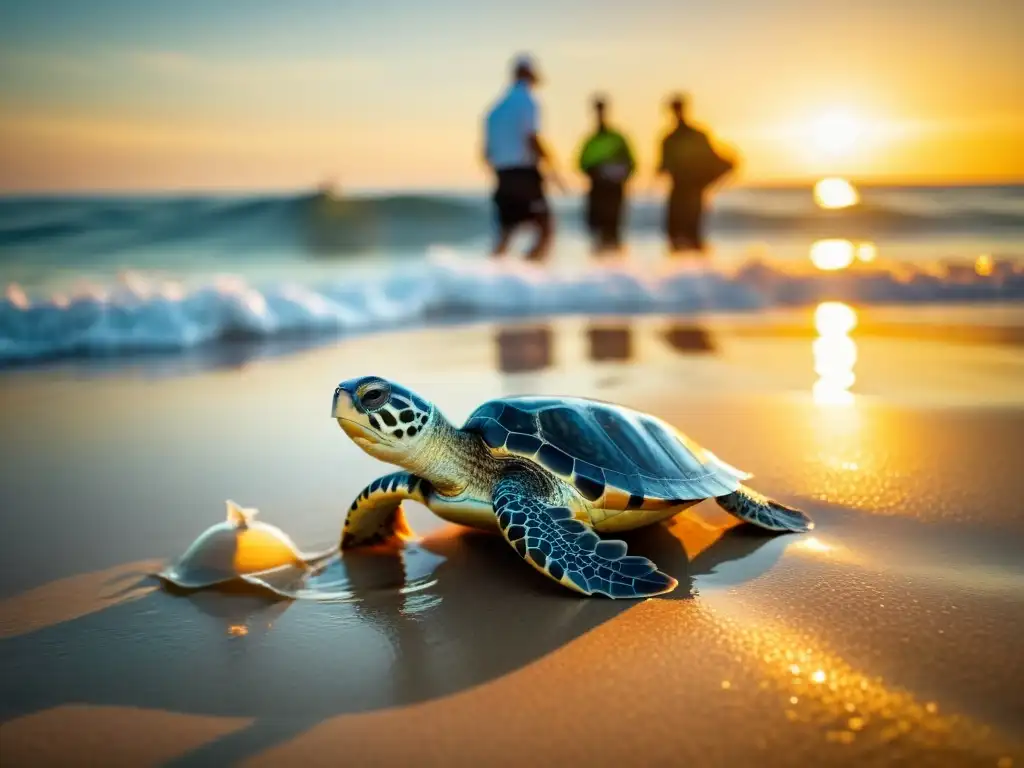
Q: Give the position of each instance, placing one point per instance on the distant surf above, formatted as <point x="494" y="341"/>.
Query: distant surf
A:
<point x="69" y="231"/>
<point x="140" y="314"/>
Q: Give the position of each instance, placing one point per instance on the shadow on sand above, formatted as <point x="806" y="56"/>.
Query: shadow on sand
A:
<point x="455" y="610"/>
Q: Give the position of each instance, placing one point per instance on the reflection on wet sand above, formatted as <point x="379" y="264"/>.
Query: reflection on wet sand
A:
<point x="234" y="354"/>
<point x="689" y="338"/>
<point x="454" y="612"/>
<point x="524" y="350"/>
<point x="835" y="353"/>
<point x="669" y="651"/>
<point x="610" y="343"/>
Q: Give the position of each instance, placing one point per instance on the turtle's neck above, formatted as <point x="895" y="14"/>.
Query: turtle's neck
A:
<point x="450" y="458"/>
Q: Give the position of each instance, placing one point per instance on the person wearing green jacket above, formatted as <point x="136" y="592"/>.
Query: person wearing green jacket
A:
<point x="607" y="159"/>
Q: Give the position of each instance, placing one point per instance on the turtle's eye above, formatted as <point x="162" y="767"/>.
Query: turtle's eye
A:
<point x="375" y="396"/>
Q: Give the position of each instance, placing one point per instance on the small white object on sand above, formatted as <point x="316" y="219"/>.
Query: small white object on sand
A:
<point x="242" y="549"/>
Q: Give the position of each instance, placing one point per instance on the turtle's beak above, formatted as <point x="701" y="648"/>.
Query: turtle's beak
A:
<point x="342" y="404"/>
<point x="351" y="420"/>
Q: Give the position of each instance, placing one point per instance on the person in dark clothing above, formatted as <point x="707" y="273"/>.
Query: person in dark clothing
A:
<point x="607" y="159"/>
<point x="692" y="164"/>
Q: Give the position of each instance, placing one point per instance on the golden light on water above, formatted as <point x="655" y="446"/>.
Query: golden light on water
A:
<point x="983" y="265"/>
<point x="833" y="193"/>
<point x="833" y="318"/>
<point x="867" y="252"/>
<point x="835" y="353"/>
<point x="835" y="254"/>
<point x="831" y="255"/>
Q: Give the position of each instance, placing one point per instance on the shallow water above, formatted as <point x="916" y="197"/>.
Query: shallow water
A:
<point x="99" y="277"/>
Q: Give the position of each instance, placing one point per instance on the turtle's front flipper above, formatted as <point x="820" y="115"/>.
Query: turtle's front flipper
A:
<point x="750" y="506"/>
<point x="376" y="515"/>
<point x="566" y="550"/>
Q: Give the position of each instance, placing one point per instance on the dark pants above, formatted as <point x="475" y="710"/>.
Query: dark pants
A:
<point x="519" y="199"/>
<point x="604" y="214"/>
<point x="684" y="218"/>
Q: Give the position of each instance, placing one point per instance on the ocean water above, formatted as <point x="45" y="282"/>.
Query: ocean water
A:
<point x="129" y="275"/>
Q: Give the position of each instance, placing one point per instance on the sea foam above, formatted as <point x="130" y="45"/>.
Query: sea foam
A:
<point x="138" y="313"/>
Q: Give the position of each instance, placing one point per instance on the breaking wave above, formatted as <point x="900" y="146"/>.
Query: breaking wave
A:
<point x="139" y="314"/>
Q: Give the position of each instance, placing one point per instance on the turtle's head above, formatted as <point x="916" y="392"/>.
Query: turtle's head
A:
<point x="383" y="418"/>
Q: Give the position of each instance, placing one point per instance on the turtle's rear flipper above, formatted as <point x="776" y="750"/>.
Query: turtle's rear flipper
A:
<point x="751" y="507"/>
<point x="376" y="516"/>
<point x="566" y="550"/>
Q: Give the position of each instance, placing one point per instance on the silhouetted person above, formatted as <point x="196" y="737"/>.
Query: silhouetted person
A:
<point x="513" y="149"/>
<point x="691" y="163"/>
<point x="607" y="159"/>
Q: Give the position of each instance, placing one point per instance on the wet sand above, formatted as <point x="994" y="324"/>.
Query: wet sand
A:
<point x="889" y="636"/>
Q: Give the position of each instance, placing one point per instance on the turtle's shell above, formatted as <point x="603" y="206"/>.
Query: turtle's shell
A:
<point x="616" y="457"/>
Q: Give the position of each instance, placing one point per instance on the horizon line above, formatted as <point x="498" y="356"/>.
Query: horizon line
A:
<point x="376" y="189"/>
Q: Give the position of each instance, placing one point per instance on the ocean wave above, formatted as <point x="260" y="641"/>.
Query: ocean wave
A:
<point x="323" y="225"/>
<point x="139" y="314"/>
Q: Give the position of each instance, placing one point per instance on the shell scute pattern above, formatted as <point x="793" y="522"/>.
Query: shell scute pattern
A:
<point x="523" y="445"/>
<point x="494" y="434"/>
<point x="565" y="426"/>
<point x="515" y="420"/>
<point x="615" y="457"/>
<point x="633" y="443"/>
<point x="555" y="459"/>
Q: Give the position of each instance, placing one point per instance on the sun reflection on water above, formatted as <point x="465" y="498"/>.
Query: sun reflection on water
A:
<point x="867" y="252"/>
<point x="832" y="255"/>
<point x="835" y="353"/>
<point x="983" y="265"/>
<point x="834" y="193"/>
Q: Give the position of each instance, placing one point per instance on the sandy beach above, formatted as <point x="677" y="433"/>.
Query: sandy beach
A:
<point x="888" y="636"/>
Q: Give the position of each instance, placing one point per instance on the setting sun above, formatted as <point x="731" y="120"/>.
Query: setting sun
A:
<point x="836" y="133"/>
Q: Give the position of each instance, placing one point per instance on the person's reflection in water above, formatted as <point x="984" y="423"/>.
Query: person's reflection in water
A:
<point x="524" y="350"/>
<point x="610" y="344"/>
<point x="689" y="338"/>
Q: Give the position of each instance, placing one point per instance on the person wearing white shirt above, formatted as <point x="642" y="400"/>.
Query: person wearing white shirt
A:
<point x="513" y="150"/>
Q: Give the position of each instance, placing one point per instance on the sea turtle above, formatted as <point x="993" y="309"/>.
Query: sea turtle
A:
<point x="547" y="472"/>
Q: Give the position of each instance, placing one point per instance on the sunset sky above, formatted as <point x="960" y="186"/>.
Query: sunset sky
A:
<point x="129" y="95"/>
